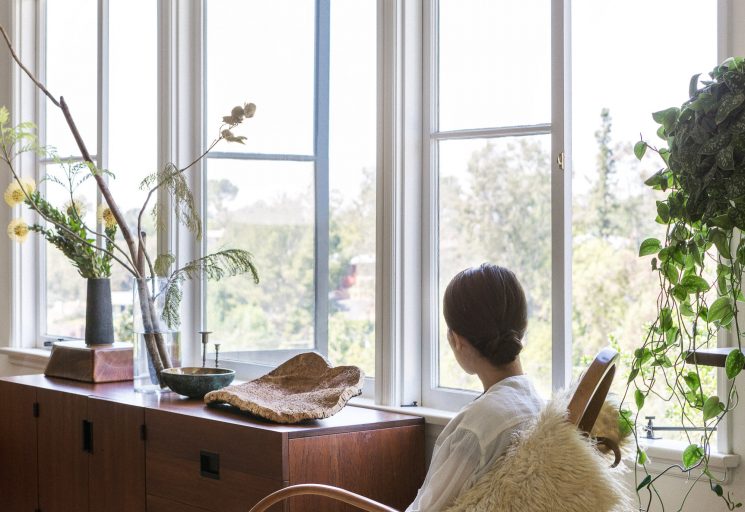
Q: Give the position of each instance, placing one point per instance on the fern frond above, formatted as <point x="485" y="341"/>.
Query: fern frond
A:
<point x="215" y="266"/>
<point x="171" y="314"/>
<point x="174" y="181"/>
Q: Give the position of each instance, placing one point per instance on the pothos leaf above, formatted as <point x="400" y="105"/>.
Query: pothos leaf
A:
<point x="695" y="283"/>
<point x="693" y="84"/>
<point x="650" y="246"/>
<point x="641" y="457"/>
<point x="639" y="149"/>
<point x="712" y="407"/>
<point x="632" y="375"/>
<point x="693" y="381"/>
<point x="734" y="363"/>
<point x="639" y="398"/>
<point x="692" y="455"/>
<point x="720" y="309"/>
<point x="647" y="480"/>
<point x="625" y="425"/>
<point x="720" y="241"/>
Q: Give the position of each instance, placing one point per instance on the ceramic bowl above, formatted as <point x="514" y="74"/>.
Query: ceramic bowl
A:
<point x="195" y="382"/>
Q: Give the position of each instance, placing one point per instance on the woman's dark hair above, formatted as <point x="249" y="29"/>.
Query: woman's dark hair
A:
<point x="487" y="306"/>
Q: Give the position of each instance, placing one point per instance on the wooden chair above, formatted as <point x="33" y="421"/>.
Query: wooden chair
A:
<point x="584" y="407"/>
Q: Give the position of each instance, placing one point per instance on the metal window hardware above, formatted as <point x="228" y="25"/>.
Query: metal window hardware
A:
<point x="412" y="404"/>
<point x="560" y="160"/>
<point x="650" y="428"/>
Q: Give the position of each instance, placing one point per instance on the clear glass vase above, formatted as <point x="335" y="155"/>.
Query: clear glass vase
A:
<point x="154" y="341"/>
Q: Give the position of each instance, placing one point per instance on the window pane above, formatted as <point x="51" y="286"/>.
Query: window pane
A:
<point x="494" y="206"/>
<point x="614" y="291"/>
<point x="66" y="289"/>
<point x="266" y="208"/>
<point x="494" y="63"/>
<point x="132" y="132"/>
<point x="270" y="64"/>
<point x="71" y="72"/>
<point x="352" y="148"/>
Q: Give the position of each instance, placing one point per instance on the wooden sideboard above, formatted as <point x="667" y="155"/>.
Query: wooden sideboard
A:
<point x="68" y="446"/>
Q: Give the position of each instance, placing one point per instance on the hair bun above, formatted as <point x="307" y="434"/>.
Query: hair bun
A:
<point x="505" y="347"/>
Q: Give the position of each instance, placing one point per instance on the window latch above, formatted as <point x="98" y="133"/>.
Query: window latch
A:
<point x="560" y="160"/>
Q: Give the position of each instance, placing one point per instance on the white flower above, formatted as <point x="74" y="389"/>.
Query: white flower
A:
<point x="18" y="230"/>
<point x="14" y="193"/>
<point x="76" y="208"/>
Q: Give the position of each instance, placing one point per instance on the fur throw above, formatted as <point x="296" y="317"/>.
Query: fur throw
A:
<point x="551" y="467"/>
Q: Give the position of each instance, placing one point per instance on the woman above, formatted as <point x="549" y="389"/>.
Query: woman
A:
<point x="486" y="314"/>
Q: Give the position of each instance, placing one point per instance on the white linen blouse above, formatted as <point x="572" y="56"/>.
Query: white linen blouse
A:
<point x="474" y="439"/>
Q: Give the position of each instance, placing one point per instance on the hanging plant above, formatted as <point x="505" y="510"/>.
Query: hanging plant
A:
<point x="699" y="266"/>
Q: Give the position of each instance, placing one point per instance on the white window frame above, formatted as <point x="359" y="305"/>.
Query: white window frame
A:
<point x="262" y="360"/>
<point x="561" y="241"/>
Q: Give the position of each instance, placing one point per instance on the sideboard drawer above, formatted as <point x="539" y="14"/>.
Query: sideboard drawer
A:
<point x="209" y="464"/>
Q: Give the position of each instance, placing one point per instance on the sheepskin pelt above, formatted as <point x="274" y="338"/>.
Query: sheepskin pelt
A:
<point x="549" y="467"/>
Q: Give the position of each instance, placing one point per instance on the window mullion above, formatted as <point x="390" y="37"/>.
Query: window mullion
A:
<point x="398" y="322"/>
<point x="321" y="139"/>
<point x="102" y="107"/>
<point x="725" y="338"/>
<point x="561" y="195"/>
<point x="181" y="137"/>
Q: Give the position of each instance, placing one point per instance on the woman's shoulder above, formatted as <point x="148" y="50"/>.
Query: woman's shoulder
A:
<point x="505" y="404"/>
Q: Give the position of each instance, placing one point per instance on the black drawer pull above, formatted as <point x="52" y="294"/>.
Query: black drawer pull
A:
<point x="87" y="436"/>
<point x="209" y="464"/>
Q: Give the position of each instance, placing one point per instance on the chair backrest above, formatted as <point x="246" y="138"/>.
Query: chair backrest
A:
<point x="592" y="390"/>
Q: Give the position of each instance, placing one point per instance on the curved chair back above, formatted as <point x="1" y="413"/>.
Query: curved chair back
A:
<point x="592" y="390"/>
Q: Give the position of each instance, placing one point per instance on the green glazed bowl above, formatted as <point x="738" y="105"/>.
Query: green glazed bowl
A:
<point x="195" y="382"/>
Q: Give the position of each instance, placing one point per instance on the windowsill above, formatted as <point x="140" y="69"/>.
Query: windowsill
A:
<point x="431" y="416"/>
<point x="33" y="358"/>
<point x="663" y="453"/>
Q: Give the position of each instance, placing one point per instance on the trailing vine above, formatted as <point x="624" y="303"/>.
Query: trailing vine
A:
<point x="699" y="267"/>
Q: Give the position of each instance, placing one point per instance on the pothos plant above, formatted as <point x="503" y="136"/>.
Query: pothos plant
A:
<point x="699" y="266"/>
<point x="67" y="230"/>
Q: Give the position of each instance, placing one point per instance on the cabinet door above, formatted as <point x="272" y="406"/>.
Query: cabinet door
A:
<point x="18" y="477"/>
<point x="117" y="457"/>
<point x="386" y="465"/>
<point x="63" y="459"/>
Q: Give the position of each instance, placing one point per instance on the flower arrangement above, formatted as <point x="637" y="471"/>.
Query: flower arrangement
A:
<point x="66" y="229"/>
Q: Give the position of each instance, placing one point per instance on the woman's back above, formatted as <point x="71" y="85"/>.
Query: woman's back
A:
<point x="475" y="438"/>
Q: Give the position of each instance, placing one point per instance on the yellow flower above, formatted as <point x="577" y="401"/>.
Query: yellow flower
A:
<point x="76" y="207"/>
<point x="105" y="216"/>
<point x="18" y="230"/>
<point x="14" y="193"/>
